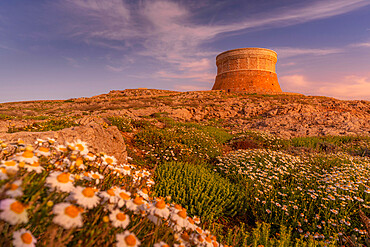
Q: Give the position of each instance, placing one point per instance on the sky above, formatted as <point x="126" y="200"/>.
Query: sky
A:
<point x="62" y="49"/>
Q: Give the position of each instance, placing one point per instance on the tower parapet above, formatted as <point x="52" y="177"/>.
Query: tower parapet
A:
<point x="247" y="69"/>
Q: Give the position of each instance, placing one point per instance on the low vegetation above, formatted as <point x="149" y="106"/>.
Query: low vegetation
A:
<point x="245" y="188"/>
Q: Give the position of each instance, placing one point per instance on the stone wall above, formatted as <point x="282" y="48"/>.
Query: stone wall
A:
<point x="247" y="69"/>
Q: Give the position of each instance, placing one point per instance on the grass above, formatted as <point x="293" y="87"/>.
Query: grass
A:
<point x="50" y="125"/>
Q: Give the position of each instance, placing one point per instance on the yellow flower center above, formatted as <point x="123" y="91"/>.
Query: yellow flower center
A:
<point x="71" y="211"/>
<point x="63" y="178"/>
<point x="200" y="239"/>
<point x="111" y="192"/>
<point x="88" y="192"/>
<point x="177" y="206"/>
<point x="199" y="230"/>
<point x="3" y="170"/>
<point x="14" y="187"/>
<point x="17" y="207"/>
<point x="44" y="149"/>
<point x="95" y="176"/>
<point x="130" y="240"/>
<point x="161" y="204"/>
<point x="145" y="191"/>
<point x="215" y="244"/>
<point x="27" y="154"/>
<point x="35" y="164"/>
<point x="127" y="168"/>
<point x="90" y="154"/>
<point x="165" y="245"/>
<point x="124" y="196"/>
<point x="63" y="149"/>
<point x="182" y="214"/>
<point x="26" y="238"/>
<point x="121" y="216"/>
<point x="10" y="163"/>
<point x="191" y="221"/>
<point x="138" y="200"/>
<point x="208" y="239"/>
<point x="80" y="147"/>
<point x="109" y="160"/>
<point x="79" y="161"/>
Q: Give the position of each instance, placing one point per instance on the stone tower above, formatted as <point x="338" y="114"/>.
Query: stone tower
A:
<point x="247" y="69"/>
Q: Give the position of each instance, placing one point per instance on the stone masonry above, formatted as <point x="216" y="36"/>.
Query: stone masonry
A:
<point x="247" y="69"/>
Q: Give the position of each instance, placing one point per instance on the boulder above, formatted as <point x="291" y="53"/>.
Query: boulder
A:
<point x="100" y="139"/>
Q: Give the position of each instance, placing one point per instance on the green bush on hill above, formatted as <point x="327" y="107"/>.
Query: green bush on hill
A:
<point x="200" y="190"/>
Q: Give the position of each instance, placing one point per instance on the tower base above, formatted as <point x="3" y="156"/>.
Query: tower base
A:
<point x="251" y="81"/>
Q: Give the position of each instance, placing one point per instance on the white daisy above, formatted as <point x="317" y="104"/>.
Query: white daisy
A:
<point x="109" y="160"/>
<point x="34" y="167"/>
<point x="81" y="147"/>
<point x="51" y="140"/>
<point x="161" y="244"/>
<point x="96" y="175"/>
<point x="62" y="148"/>
<point x="126" y="169"/>
<point x="160" y="209"/>
<point x="119" y="218"/>
<point x="85" y="197"/>
<point x="13" y="211"/>
<point x="143" y="193"/>
<point x="10" y="165"/>
<point x="28" y="156"/>
<point x="180" y="219"/>
<point x="90" y="156"/>
<point x="44" y="151"/>
<point x="79" y="163"/>
<point x="67" y="215"/>
<point x="71" y="146"/>
<point x="127" y="239"/>
<point x="13" y="189"/>
<point x="136" y="205"/>
<point x="61" y="181"/>
<point x="110" y="195"/>
<point x="39" y="141"/>
<point x="124" y="196"/>
<point x="23" y="238"/>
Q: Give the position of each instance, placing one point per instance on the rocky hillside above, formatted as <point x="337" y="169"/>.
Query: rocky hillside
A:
<point x="286" y="115"/>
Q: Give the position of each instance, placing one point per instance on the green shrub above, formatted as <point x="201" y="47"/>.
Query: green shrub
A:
<point x="200" y="190"/>
<point x="51" y="125"/>
<point x="122" y="123"/>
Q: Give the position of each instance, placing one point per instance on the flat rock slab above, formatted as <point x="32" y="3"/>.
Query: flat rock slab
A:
<point x="100" y="139"/>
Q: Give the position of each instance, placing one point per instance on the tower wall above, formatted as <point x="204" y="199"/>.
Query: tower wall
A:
<point x="247" y="69"/>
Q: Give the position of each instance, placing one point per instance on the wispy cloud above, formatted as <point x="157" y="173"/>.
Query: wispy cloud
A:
<point x="165" y="30"/>
<point x="364" y="44"/>
<point x="73" y="62"/>
<point x="5" y="47"/>
<point x="285" y="52"/>
<point x="348" y="87"/>
<point x="351" y="87"/>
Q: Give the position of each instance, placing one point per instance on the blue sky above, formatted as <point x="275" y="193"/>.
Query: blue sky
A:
<point x="60" y="49"/>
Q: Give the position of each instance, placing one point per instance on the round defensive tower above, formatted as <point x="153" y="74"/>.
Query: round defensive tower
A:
<point x="247" y="69"/>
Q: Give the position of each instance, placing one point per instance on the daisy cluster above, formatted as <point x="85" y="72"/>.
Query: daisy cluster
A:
<point x="318" y="200"/>
<point x="64" y="194"/>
